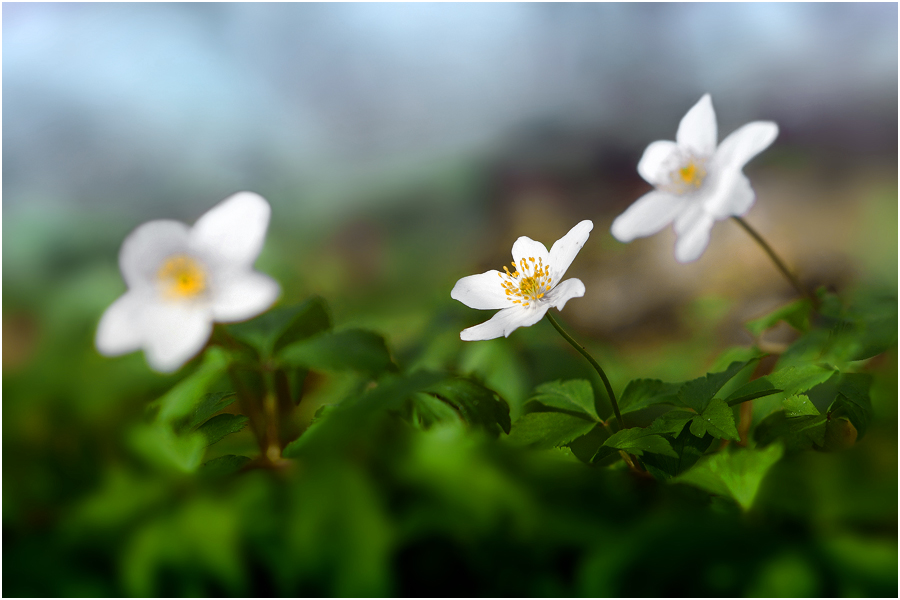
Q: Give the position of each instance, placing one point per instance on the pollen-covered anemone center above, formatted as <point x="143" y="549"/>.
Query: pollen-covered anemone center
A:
<point x="688" y="176"/>
<point x="528" y="282"/>
<point x="182" y="277"/>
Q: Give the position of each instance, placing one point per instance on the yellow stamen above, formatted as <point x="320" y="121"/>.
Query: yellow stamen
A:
<point x="182" y="277"/>
<point x="531" y="286"/>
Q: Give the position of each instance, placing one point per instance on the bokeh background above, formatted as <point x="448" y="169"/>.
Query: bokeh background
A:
<point x="403" y="147"/>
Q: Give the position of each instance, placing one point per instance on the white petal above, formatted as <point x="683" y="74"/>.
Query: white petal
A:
<point x="526" y="248"/>
<point x="697" y="130"/>
<point x="733" y="196"/>
<point x="146" y="248"/>
<point x="504" y="322"/>
<point x="568" y="289"/>
<point x="234" y="230"/>
<point x="566" y="248"/>
<point x="657" y="162"/>
<point x="240" y="295"/>
<point x="693" y="229"/>
<point x="174" y="332"/>
<point x="120" y="331"/>
<point x="648" y="215"/>
<point x="745" y="143"/>
<point x="482" y="291"/>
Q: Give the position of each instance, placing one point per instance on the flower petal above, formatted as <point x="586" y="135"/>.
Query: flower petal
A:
<point x="483" y="291"/>
<point x="649" y="214"/>
<point x="504" y="322"/>
<point x="120" y="331"/>
<point x="697" y="131"/>
<point x="146" y="248"/>
<point x="657" y="162"/>
<point x="693" y="230"/>
<point x="525" y="247"/>
<point x="234" y="230"/>
<point x="568" y="289"/>
<point x="566" y="248"/>
<point x="744" y="143"/>
<point x="240" y="295"/>
<point x="733" y="196"/>
<point x="174" y="332"/>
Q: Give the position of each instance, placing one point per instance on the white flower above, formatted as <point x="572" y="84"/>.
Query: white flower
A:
<point x="181" y="279"/>
<point x="696" y="183"/>
<point x="525" y="294"/>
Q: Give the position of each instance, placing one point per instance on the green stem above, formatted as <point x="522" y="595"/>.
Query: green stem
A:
<point x="590" y="359"/>
<point x="777" y="260"/>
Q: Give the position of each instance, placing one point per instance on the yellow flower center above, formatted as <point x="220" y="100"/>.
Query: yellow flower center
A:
<point x="182" y="277"/>
<point x="688" y="177"/>
<point x="528" y="282"/>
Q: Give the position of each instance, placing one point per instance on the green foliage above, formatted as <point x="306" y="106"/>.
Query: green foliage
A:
<point x="796" y="314"/>
<point x="543" y="430"/>
<point x="277" y="328"/>
<point x="638" y="440"/>
<point x="186" y="395"/>
<point x="698" y="393"/>
<point x="478" y="406"/>
<point x="352" y="349"/>
<point x="717" y="419"/>
<point x="736" y="474"/>
<point x="575" y="396"/>
<point x="220" y="426"/>
<point x="642" y="393"/>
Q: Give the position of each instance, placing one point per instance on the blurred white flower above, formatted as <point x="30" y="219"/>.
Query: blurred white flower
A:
<point x="696" y="183"/>
<point x="525" y="294"/>
<point x="181" y="279"/>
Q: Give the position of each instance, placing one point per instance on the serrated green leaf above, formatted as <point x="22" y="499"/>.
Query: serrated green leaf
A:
<point x="688" y="448"/>
<point x="575" y="395"/>
<point x="180" y="401"/>
<point x="791" y="381"/>
<point x="796" y="314"/>
<point x="544" y="430"/>
<point x="642" y="393"/>
<point x="737" y="474"/>
<point x="638" y="440"/>
<point x="351" y="349"/>
<point x="279" y="327"/>
<point x="478" y="405"/>
<point x="717" y="419"/>
<point x="697" y="393"/>
<point x="220" y="426"/>
<point x="799" y="406"/>
<point x="853" y="400"/>
<point x="210" y="405"/>
<point x="672" y="422"/>
<point x="795" y="433"/>
<point x="223" y="465"/>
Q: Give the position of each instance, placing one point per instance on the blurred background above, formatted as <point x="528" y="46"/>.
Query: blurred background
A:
<point x="402" y="147"/>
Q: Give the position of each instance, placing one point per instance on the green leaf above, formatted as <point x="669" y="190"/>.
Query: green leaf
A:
<point x="638" y="440"/>
<point x="187" y="394"/>
<point x="159" y="444"/>
<point x="428" y="410"/>
<point x="576" y="395"/>
<point x="220" y="426"/>
<point x="853" y="400"/>
<point x="544" y="430"/>
<point x="478" y="405"/>
<point x="796" y="433"/>
<point x="351" y="349"/>
<point x="210" y="405"/>
<point x="279" y="327"/>
<point x="737" y="474"/>
<point x="799" y="406"/>
<point x="688" y="448"/>
<point x="642" y="393"/>
<point x="717" y="420"/>
<point x="697" y="393"/>
<point x="796" y="314"/>
<point x="585" y="447"/>
<point x="672" y="422"/>
<point x="223" y="465"/>
<point x="791" y="381"/>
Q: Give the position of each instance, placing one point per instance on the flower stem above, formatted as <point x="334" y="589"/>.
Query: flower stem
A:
<point x="590" y="359"/>
<point x="777" y="260"/>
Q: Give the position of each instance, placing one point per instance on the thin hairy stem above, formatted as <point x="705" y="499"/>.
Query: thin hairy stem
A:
<point x="590" y="359"/>
<point x="777" y="260"/>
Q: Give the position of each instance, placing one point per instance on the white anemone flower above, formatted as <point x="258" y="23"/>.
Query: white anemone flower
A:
<point x="182" y="279"/>
<point x="696" y="182"/>
<point x="524" y="294"/>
